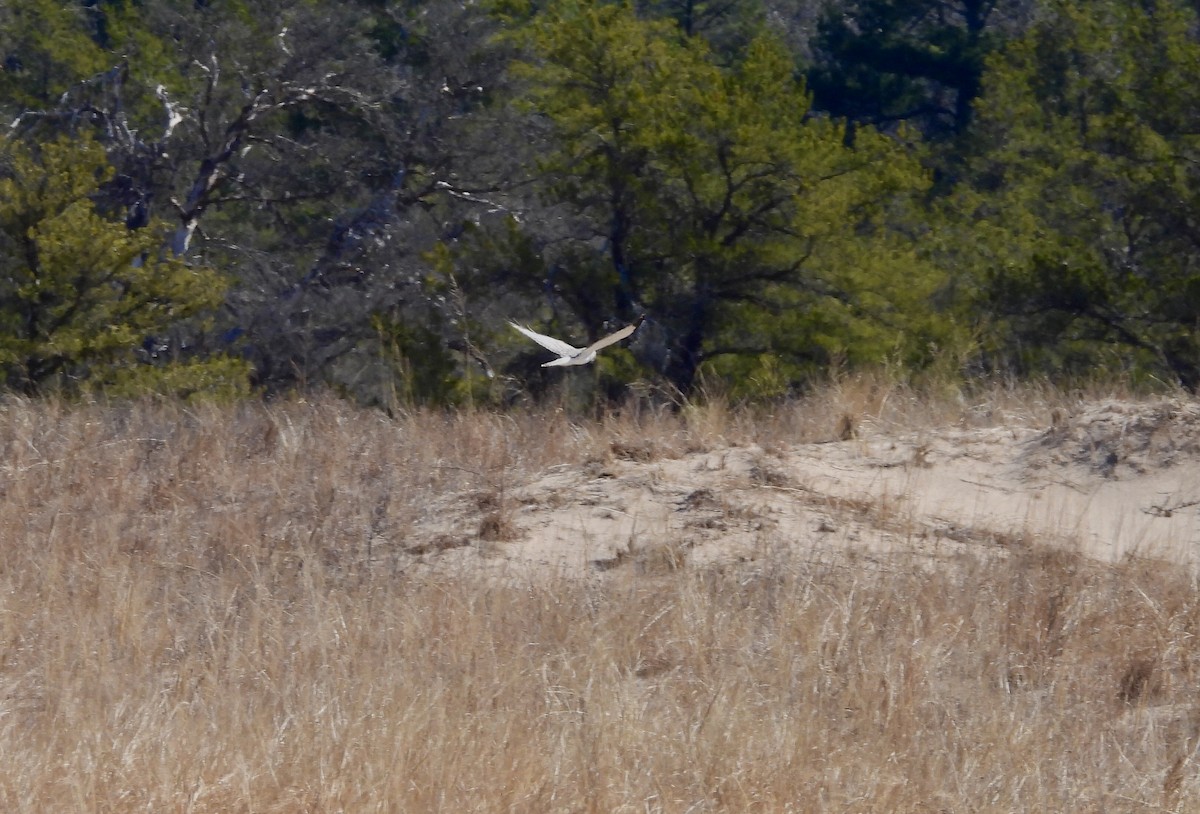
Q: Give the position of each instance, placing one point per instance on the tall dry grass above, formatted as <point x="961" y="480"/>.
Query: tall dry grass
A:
<point x="212" y="610"/>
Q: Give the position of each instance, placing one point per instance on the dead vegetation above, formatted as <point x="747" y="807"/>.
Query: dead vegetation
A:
<point x="1112" y="437"/>
<point x="306" y="607"/>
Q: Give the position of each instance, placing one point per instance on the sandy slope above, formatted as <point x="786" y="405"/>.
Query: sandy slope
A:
<point x="1115" y="478"/>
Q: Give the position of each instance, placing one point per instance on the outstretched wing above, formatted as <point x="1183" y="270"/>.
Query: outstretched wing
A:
<point x="548" y="342"/>
<point x="612" y="339"/>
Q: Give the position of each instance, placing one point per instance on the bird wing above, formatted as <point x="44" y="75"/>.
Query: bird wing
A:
<point x="614" y="338"/>
<point x="548" y="342"/>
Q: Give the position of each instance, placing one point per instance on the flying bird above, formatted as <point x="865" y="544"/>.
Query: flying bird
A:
<point x="571" y="355"/>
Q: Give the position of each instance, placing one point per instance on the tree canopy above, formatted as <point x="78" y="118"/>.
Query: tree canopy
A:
<point x="83" y="299"/>
<point x="744" y="224"/>
<point x="1085" y="193"/>
<point x="360" y="195"/>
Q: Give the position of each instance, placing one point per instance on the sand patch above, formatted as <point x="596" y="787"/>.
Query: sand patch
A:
<point x="1114" y="480"/>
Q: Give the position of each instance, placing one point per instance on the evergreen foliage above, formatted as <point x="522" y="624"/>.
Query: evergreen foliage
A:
<point x="86" y="302"/>
<point x="781" y="186"/>
<point x="743" y="224"/>
<point x="921" y="61"/>
<point x="1087" y="193"/>
<point x="46" y="49"/>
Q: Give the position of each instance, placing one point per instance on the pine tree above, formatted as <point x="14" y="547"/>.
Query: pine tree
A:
<point x="84" y="301"/>
<point x="1086" y="193"/>
<point x="749" y="228"/>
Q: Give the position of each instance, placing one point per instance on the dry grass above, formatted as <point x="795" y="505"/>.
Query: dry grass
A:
<point x="218" y="611"/>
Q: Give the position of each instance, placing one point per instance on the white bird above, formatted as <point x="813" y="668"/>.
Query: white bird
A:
<point x="571" y="355"/>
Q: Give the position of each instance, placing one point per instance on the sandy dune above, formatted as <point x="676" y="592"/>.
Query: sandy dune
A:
<point x="1114" y="479"/>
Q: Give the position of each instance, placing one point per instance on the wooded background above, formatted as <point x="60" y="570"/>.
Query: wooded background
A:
<point x="234" y="198"/>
